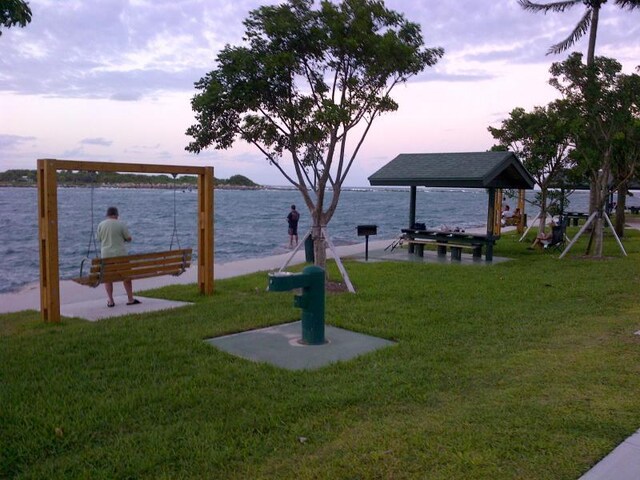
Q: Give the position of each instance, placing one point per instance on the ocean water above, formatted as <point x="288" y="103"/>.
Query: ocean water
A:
<point x="248" y="223"/>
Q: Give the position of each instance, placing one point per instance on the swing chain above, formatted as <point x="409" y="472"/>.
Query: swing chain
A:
<point x="92" y="237"/>
<point x="174" y="234"/>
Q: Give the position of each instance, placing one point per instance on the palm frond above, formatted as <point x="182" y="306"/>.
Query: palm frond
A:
<point x="581" y="28"/>
<point x="630" y="4"/>
<point x="553" y="6"/>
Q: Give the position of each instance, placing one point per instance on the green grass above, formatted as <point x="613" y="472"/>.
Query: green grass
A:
<point x="527" y="369"/>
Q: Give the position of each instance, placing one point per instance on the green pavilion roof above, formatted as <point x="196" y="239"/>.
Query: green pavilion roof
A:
<point x="469" y="169"/>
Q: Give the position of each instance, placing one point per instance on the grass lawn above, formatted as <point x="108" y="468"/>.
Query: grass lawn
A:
<point x="527" y="369"/>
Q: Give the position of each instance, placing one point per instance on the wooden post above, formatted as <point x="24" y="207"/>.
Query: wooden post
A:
<point x="48" y="241"/>
<point x="521" y="203"/>
<point x="497" y="217"/>
<point x="205" y="231"/>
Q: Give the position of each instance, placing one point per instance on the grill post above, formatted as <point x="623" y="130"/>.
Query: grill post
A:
<point x="365" y="231"/>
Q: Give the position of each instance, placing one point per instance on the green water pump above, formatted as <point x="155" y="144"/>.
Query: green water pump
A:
<point x="311" y="281"/>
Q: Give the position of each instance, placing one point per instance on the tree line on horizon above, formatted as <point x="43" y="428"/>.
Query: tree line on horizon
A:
<point x="21" y="177"/>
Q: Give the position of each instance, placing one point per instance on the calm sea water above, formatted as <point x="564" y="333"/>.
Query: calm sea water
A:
<point x="248" y="223"/>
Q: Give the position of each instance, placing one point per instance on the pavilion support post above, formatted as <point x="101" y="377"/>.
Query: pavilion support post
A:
<point x="497" y="208"/>
<point x="521" y="222"/>
<point x="412" y="206"/>
<point x="412" y="212"/>
<point x="48" y="241"/>
<point x="491" y="215"/>
<point x="205" y="232"/>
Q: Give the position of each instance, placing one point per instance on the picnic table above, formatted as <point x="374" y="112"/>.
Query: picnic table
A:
<point x="448" y="240"/>
<point x="575" y="217"/>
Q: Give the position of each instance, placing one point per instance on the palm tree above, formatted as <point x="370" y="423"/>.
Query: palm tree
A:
<point x="588" y="22"/>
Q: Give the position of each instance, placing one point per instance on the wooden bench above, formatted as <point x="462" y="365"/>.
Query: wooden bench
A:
<point x="441" y="247"/>
<point x="512" y="221"/>
<point x="133" y="267"/>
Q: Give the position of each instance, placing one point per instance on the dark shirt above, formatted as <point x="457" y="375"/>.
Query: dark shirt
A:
<point x="293" y="218"/>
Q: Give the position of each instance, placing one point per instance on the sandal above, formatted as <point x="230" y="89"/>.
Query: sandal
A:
<point x="111" y="304"/>
<point x="134" y="302"/>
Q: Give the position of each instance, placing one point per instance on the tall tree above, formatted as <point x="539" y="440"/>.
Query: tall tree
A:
<point x="306" y="89"/>
<point x="542" y="141"/>
<point x="14" y="12"/>
<point x="598" y="126"/>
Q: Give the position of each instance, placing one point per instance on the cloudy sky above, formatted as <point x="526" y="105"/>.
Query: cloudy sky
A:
<point x="111" y="80"/>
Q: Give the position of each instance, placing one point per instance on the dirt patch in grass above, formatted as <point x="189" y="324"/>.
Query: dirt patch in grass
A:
<point x="336" y="287"/>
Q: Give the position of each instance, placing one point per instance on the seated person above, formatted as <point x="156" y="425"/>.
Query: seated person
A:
<point x="543" y="239"/>
<point x="506" y="215"/>
<point x="515" y="218"/>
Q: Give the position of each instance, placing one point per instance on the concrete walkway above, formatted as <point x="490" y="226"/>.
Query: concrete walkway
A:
<point x="623" y="463"/>
<point x="73" y="296"/>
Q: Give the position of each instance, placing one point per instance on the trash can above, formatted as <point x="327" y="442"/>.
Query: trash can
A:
<point x="309" y="256"/>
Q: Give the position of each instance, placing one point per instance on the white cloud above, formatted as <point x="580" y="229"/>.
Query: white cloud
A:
<point x="162" y="52"/>
<point x="12" y="142"/>
<point x="103" y="142"/>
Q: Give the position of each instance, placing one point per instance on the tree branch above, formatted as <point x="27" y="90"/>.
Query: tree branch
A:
<point x="548" y="7"/>
<point x="580" y="29"/>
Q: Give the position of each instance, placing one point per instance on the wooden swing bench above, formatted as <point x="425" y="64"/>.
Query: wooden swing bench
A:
<point x="137" y="266"/>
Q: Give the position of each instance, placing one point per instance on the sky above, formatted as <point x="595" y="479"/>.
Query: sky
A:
<point x="112" y="80"/>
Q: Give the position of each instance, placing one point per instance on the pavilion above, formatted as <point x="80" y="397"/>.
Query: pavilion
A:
<point x="489" y="170"/>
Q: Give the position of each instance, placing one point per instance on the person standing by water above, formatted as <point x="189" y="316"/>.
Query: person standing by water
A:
<point x="113" y="234"/>
<point x="293" y="218"/>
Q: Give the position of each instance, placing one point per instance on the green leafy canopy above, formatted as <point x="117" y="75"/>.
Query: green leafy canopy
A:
<point x="305" y="78"/>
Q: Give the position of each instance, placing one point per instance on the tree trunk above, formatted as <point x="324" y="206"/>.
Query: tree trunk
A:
<point x="593" y="31"/>
<point x="543" y="209"/>
<point x="598" y="235"/>
<point x="595" y="14"/>
<point x="593" y="196"/>
<point x="319" y="243"/>
<point x="603" y="190"/>
<point x="621" y="204"/>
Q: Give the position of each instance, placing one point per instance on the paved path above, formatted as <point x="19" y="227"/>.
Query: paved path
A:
<point x="623" y="463"/>
<point x="72" y="294"/>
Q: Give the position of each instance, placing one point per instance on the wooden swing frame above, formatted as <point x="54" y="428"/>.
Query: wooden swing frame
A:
<point x="48" y="222"/>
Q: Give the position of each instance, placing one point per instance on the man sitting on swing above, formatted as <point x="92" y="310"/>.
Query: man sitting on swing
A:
<point x="113" y="234"/>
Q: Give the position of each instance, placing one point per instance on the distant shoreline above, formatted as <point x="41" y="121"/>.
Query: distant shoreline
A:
<point x="158" y="186"/>
<point x="72" y="179"/>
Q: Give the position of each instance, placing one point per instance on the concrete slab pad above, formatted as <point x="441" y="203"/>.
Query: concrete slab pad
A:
<point x="623" y="463"/>
<point x="401" y="254"/>
<point x="279" y="345"/>
<point x="94" y="310"/>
